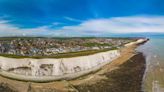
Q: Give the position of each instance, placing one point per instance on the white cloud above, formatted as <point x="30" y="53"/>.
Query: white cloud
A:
<point x="7" y="29"/>
<point x="72" y="19"/>
<point x="97" y="27"/>
<point x="121" y="25"/>
<point x="56" y="23"/>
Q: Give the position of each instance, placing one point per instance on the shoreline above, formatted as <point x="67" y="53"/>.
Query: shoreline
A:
<point x="127" y="78"/>
<point x="65" y="86"/>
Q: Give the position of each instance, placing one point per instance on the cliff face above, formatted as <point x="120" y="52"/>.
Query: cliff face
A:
<point x="54" y="69"/>
<point x="43" y="70"/>
<point x="138" y="42"/>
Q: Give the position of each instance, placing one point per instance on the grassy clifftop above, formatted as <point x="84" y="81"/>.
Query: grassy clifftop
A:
<point x="61" y="55"/>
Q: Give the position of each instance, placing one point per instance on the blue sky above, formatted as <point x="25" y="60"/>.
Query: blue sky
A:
<point x="80" y="17"/>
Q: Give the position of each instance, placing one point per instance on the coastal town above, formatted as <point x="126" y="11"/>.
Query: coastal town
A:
<point x="73" y="70"/>
<point x="53" y="46"/>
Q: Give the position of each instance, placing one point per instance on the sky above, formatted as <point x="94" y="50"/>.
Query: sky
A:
<point x="80" y="17"/>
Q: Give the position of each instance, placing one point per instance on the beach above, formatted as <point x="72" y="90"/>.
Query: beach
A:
<point x="127" y="78"/>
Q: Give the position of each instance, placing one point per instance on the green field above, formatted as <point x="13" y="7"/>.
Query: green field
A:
<point x="61" y="55"/>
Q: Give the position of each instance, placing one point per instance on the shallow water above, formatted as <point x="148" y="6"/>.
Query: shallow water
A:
<point x="154" y="74"/>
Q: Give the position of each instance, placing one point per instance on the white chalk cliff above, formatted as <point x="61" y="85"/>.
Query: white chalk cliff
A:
<point x="54" y="69"/>
<point x="42" y="70"/>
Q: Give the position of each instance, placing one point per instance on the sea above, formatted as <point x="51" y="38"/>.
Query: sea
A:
<point x="153" y="50"/>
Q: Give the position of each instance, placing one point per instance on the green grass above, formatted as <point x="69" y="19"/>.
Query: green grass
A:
<point x="96" y="44"/>
<point x="61" y="55"/>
